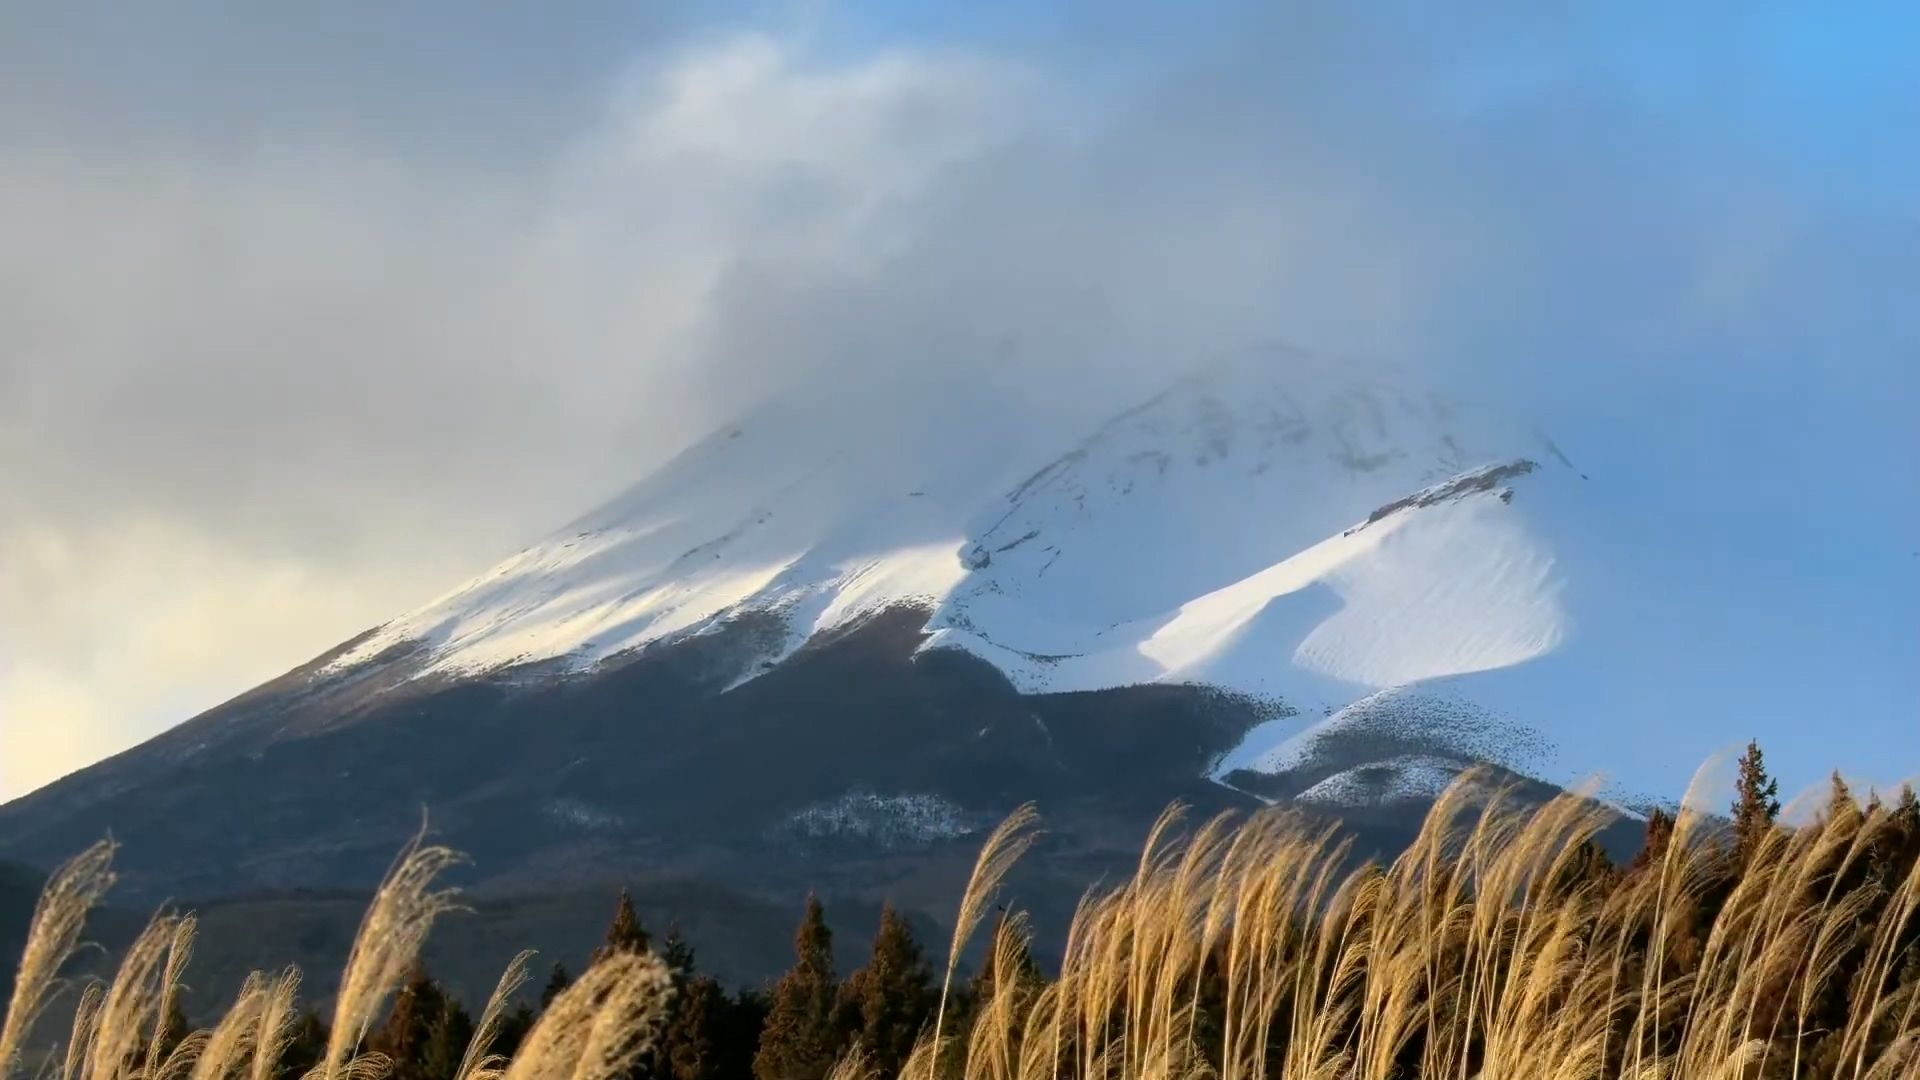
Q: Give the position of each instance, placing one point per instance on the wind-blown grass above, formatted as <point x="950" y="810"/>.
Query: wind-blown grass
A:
<point x="1241" y="948"/>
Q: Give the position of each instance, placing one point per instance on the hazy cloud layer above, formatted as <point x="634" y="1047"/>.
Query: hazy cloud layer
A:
<point x="299" y="326"/>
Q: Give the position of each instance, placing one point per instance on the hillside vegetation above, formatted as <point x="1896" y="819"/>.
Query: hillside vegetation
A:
<point x="1501" y="944"/>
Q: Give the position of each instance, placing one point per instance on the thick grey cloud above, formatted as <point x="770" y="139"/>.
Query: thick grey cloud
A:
<point x="302" y="321"/>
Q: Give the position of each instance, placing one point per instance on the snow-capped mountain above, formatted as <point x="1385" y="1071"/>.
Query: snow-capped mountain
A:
<point x="1267" y="581"/>
<point x="1306" y="540"/>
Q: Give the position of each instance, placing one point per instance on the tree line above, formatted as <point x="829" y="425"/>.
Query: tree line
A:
<point x="797" y="1028"/>
<point x="810" y="1018"/>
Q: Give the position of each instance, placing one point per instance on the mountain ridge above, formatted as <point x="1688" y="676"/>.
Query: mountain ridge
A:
<point x="1209" y="597"/>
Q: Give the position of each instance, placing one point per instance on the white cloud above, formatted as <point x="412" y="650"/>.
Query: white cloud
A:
<point x="262" y="387"/>
<point x="256" y="402"/>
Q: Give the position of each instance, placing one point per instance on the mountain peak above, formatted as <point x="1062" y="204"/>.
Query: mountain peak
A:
<point x="1288" y="529"/>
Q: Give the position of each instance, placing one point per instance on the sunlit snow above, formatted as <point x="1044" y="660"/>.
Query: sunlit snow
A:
<point x="1313" y="539"/>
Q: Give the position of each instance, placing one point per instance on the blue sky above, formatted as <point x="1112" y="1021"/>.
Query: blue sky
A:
<point x="308" y="314"/>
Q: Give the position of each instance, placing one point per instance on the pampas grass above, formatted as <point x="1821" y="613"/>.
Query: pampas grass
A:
<point x="601" y="1025"/>
<point x="57" y="921"/>
<point x="1241" y="948"/>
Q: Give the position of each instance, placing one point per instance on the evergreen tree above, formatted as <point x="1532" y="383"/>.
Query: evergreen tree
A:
<point x="677" y="952"/>
<point x="306" y="1047"/>
<point x="514" y="1027"/>
<point x="172" y="1031"/>
<point x="745" y="1024"/>
<point x="694" y="1044"/>
<point x="887" y="1003"/>
<point x="414" y="1028"/>
<point x="1906" y="817"/>
<point x="1009" y="969"/>
<point x="1659" y="835"/>
<point x="624" y="933"/>
<point x="447" y="1039"/>
<point x="799" y="1041"/>
<point x="558" y="980"/>
<point x="1588" y="865"/>
<point x="1018" y="967"/>
<point x="1756" y="803"/>
<point x="1841" y="805"/>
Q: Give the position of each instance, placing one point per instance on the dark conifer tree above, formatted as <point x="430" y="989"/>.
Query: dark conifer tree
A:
<point x="1756" y="803"/>
<point x="624" y="933"/>
<point x="1009" y="939"/>
<point x="418" y="1021"/>
<point x="799" y="1041"/>
<point x="447" y="1039"/>
<point x="306" y="1047"/>
<point x="1906" y="822"/>
<point x="558" y="980"/>
<point x="694" y="1044"/>
<point x="1009" y="968"/>
<point x="173" y="1030"/>
<point x="677" y="952"/>
<point x="514" y="1027"/>
<point x="745" y="1023"/>
<point x="1588" y="865"/>
<point x="1841" y="805"/>
<point x="886" y="1004"/>
<point x="1659" y="834"/>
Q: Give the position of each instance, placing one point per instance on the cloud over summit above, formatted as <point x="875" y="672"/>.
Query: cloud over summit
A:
<point x="283" y="354"/>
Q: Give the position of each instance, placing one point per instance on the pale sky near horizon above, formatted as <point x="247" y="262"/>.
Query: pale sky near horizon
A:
<point x="307" y="315"/>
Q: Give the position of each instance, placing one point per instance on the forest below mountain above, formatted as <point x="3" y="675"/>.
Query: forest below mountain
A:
<point x="1503" y="942"/>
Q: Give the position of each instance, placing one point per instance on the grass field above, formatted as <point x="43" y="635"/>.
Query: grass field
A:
<point x="1248" y="948"/>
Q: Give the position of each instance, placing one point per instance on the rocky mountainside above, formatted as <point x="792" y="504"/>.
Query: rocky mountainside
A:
<point x="776" y="664"/>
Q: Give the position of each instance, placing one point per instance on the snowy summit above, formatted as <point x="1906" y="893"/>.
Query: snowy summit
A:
<point x="1317" y="540"/>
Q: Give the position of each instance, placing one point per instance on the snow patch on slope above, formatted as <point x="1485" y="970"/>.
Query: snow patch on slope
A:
<point x="891" y="821"/>
<point x="1402" y="778"/>
<point x="1307" y="537"/>
<point x="1432" y="589"/>
<point x="1466" y="588"/>
<point x="1434" y="719"/>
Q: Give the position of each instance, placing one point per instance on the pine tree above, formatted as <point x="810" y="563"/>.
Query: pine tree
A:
<point x="417" y="1020"/>
<point x="558" y="980"/>
<point x="172" y="1031"/>
<point x="1009" y="962"/>
<point x="1906" y="816"/>
<point x="624" y="933"/>
<point x="677" y="953"/>
<point x="1653" y="850"/>
<point x="799" y="1041"/>
<point x="447" y="1039"/>
<point x="1756" y="803"/>
<point x="306" y="1048"/>
<point x="1588" y="866"/>
<point x="514" y="1027"/>
<point x="1009" y="970"/>
<point x="887" y="1003"/>
<point x="694" y="1041"/>
<point x="1841" y="805"/>
<point x="745" y="1022"/>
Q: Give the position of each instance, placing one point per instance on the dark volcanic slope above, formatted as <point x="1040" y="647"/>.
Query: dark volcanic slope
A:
<point x="855" y="768"/>
<point x="854" y="761"/>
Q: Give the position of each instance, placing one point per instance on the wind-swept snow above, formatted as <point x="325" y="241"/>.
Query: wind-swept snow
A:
<point x="1308" y="536"/>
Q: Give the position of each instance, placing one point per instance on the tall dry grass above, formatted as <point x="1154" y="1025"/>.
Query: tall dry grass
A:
<point x="1248" y="948"/>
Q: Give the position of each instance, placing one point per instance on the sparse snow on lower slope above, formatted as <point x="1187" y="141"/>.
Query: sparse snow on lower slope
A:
<point x="1307" y="536"/>
<point x="1402" y="778"/>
